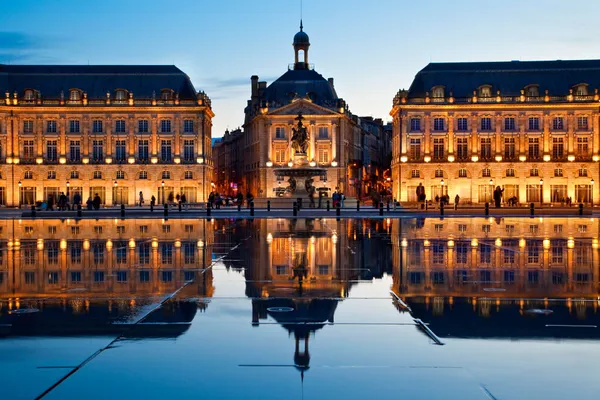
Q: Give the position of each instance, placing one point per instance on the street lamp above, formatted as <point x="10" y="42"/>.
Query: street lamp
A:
<point x="19" y="193"/>
<point x="491" y="189"/>
<point x="541" y="191"/>
<point x="592" y="194"/>
<point x="115" y="184"/>
<point x="162" y="184"/>
<point x="68" y="184"/>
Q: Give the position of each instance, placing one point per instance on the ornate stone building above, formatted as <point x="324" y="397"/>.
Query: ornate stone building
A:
<point x="531" y="128"/>
<point x="271" y="155"/>
<point x="114" y="131"/>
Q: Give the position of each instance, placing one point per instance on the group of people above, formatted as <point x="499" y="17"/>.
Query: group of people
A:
<point x="445" y="199"/>
<point x="217" y="201"/>
<point x="62" y="203"/>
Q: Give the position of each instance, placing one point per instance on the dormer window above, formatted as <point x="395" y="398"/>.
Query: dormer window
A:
<point x="581" y="90"/>
<point x="121" y="95"/>
<point x="29" y="95"/>
<point x="485" y="91"/>
<point x="532" y="91"/>
<point x="437" y="92"/>
<point x="74" y="95"/>
<point x="166" y="94"/>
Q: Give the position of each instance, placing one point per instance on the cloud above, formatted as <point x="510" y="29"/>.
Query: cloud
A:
<point x="19" y="47"/>
<point x="231" y="83"/>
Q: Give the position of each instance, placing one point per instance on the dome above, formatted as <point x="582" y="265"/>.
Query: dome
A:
<point x="301" y="38"/>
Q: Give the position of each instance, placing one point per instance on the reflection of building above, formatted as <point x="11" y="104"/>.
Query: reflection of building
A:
<point x="101" y="269"/>
<point x="528" y="127"/>
<point x="114" y="131"/>
<point x="227" y="155"/>
<point x="456" y="271"/>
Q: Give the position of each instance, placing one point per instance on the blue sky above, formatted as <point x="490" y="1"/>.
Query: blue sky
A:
<point x="371" y="48"/>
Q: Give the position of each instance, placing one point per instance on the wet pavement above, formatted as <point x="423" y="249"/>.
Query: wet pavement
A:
<point x="314" y="309"/>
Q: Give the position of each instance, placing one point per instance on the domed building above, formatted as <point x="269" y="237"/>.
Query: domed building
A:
<point x="298" y="134"/>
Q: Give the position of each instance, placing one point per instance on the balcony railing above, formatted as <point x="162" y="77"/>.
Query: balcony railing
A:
<point x="399" y="99"/>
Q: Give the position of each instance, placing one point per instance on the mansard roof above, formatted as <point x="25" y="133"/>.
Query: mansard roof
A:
<point x="509" y="77"/>
<point x="301" y="83"/>
<point x="143" y="81"/>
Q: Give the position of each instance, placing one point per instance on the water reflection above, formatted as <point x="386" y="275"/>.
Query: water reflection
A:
<point x="508" y="277"/>
<point x="93" y="276"/>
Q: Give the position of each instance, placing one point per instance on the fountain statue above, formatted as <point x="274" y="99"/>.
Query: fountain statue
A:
<point x="300" y="137"/>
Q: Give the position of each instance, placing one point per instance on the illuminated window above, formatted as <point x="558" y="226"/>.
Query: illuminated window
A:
<point x="438" y="124"/>
<point x="74" y="174"/>
<point x="120" y="126"/>
<point x="415" y="124"/>
<point x="120" y="175"/>
<point x="582" y="123"/>
<point x="28" y="175"/>
<point x="558" y="148"/>
<point x="166" y="175"/>
<point x="485" y="91"/>
<point x="415" y="173"/>
<point x="120" y="95"/>
<point x="166" y="94"/>
<point x="439" y="173"/>
<point x="462" y="173"/>
<point x="534" y="172"/>
<point x="74" y="95"/>
<point x="510" y="151"/>
<point x="583" y="172"/>
<point x="485" y="150"/>
<point x="74" y="150"/>
<point x="581" y="90"/>
<point x="51" y="174"/>
<point x="558" y="172"/>
<point x="143" y="175"/>
<point x="532" y="91"/>
<point x="462" y="124"/>
<point x="28" y="95"/>
<point x="582" y="147"/>
<point x="323" y="155"/>
<point x="462" y="148"/>
<point x="438" y="149"/>
<point x="510" y="172"/>
<point x="509" y="124"/>
<point x="323" y="132"/>
<point x="51" y="150"/>
<point x="534" y="123"/>
<point x="97" y="175"/>
<point x="415" y="148"/>
<point x="534" y="148"/>
<point x="143" y="126"/>
<point x="188" y="175"/>
<point x="143" y="150"/>
<point x="437" y="92"/>
<point x="486" y="173"/>
<point x="165" y="151"/>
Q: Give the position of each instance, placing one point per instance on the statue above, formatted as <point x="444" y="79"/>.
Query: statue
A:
<point x="308" y="185"/>
<point x="292" y="186"/>
<point x="300" y="137"/>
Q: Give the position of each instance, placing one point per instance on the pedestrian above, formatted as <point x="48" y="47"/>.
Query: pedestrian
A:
<point x="76" y="200"/>
<point x="311" y="197"/>
<point x="321" y="195"/>
<point x="240" y="198"/>
<point x="97" y="202"/>
<point x="89" y="203"/>
<point x="51" y="203"/>
<point x="141" y="199"/>
<point x="184" y="200"/>
<point x="456" y="200"/>
<point x="498" y="196"/>
<point x="342" y="198"/>
<point x="152" y="201"/>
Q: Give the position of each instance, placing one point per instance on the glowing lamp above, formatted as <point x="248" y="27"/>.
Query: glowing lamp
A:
<point x="450" y="158"/>
<point x="426" y="243"/>
<point x="522" y="158"/>
<point x="334" y="238"/>
<point x="86" y="244"/>
<point x="200" y="244"/>
<point x="15" y="160"/>
<point x="427" y="158"/>
<point x="570" y="243"/>
<point x="40" y="244"/>
<point x="132" y="243"/>
<point x="154" y="160"/>
<point x="200" y="160"/>
<point x="131" y="160"/>
<point x="498" y="242"/>
<point x="178" y="243"/>
<point x="404" y="243"/>
<point x="571" y="158"/>
<point x="546" y="244"/>
<point x="269" y="238"/>
<point x="109" y="245"/>
<point x="62" y="160"/>
<point x="547" y="157"/>
<point x="269" y="164"/>
<point x="154" y="243"/>
<point x="108" y="160"/>
<point x="85" y="160"/>
<point x="522" y="243"/>
<point x="474" y="243"/>
<point x="475" y="158"/>
<point x="39" y="160"/>
<point x="595" y="158"/>
<point x="498" y="158"/>
<point x="334" y="164"/>
<point x="313" y="164"/>
<point x="177" y="160"/>
<point x="450" y="243"/>
<point x="290" y="164"/>
<point x="9" y="160"/>
<point x="403" y="159"/>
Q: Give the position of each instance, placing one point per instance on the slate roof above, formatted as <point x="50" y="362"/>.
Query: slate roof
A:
<point x="300" y="82"/>
<point x="96" y="80"/>
<point x="510" y="77"/>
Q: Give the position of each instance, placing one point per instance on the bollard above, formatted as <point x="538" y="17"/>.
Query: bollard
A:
<point x="79" y="210"/>
<point x="268" y="205"/>
<point x="299" y="204"/>
<point x="295" y="210"/>
<point x="165" y="209"/>
<point x="33" y="211"/>
<point x="442" y="208"/>
<point x="179" y="206"/>
<point x="239" y="206"/>
<point x="395" y="204"/>
<point x="357" y="204"/>
<point x="580" y="208"/>
<point x="252" y="208"/>
<point x="487" y="208"/>
<point x="532" y="208"/>
<point x="388" y="206"/>
<point x="122" y="210"/>
<point x="151" y="207"/>
<point x="381" y="208"/>
<point x="208" y="209"/>
<point x="328" y="207"/>
<point x="338" y="210"/>
<point x="426" y="205"/>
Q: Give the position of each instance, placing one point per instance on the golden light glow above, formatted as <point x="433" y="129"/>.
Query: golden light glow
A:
<point x="522" y="243"/>
<point x="40" y="244"/>
<point x="200" y="160"/>
<point x="498" y="158"/>
<point x="131" y="160"/>
<point x="570" y="244"/>
<point x="426" y="243"/>
<point x="474" y="243"/>
<point x="403" y="159"/>
<point x="108" y="160"/>
<point x="85" y="160"/>
<point x="109" y="245"/>
<point x="290" y="164"/>
<point x="269" y="164"/>
<point x="475" y="158"/>
<point x="63" y="244"/>
<point x="39" y="160"/>
<point x="546" y="244"/>
<point x="523" y="158"/>
<point x="269" y="238"/>
<point x="334" y="238"/>
<point x="177" y="243"/>
<point x="404" y="243"/>
<point x="200" y="244"/>
<point x="498" y="242"/>
<point x="86" y="244"/>
<point x="571" y="158"/>
<point x="334" y="164"/>
<point x="16" y="160"/>
<point x="154" y="243"/>
<point x="596" y="158"/>
<point x="132" y="243"/>
<point x="62" y="160"/>
<point x="427" y="158"/>
<point x="450" y="243"/>
<point x="547" y="157"/>
<point x="177" y="160"/>
<point x="154" y="160"/>
<point x="313" y="163"/>
<point x="450" y="158"/>
<point x="9" y="160"/>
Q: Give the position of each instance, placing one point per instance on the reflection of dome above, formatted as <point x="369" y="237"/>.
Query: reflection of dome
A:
<point x="301" y="38"/>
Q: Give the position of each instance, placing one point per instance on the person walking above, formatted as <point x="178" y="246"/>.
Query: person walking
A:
<point x="141" y="199"/>
<point x="152" y="201"/>
<point x="456" y="200"/>
<point x="498" y="196"/>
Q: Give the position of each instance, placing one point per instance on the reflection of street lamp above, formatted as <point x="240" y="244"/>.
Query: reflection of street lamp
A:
<point x="115" y="184"/>
<point x="68" y="184"/>
<point x="541" y="191"/>
<point x="162" y="184"/>
<point x="491" y="189"/>
<point x="592" y="194"/>
<point x="442" y="184"/>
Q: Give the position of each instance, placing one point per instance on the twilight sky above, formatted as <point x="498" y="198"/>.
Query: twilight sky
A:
<point x="371" y="48"/>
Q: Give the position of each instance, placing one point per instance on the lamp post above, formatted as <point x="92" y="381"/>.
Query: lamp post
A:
<point x="68" y="184"/>
<point x="442" y="187"/>
<point x="541" y="191"/>
<point x="491" y="189"/>
<point x="115" y="184"/>
<point x="20" y="184"/>
<point x="162" y="184"/>
<point x="592" y="194"/>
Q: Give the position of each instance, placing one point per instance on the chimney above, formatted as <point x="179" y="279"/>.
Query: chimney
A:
<point x="254" y="87"/>
<point x="330" y="80"/>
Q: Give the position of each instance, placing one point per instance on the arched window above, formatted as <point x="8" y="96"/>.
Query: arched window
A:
<point x="29" y="95"/>
<point x="437" y="92"/>
<point x="462" y="173"/>
<point x="166" y="175"/>
<point x="143" y="175"/>
<point x="486" y="173"/>
<point x="166" y="94"/>
<point x="74" y="95"/>
<point x="121" y="95"/>
<point x="485" y="91"/>
<point x="581" y="90"/>
<point x="532" y="91"/>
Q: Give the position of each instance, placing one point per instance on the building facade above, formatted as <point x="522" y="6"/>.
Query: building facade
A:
<point x="227" y="155"/>
<point x="531" y="128"/>
<point x="114" y="131"/>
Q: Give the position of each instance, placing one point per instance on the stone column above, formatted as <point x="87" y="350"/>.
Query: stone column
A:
<point x="402" y="132"/>
<point x="450" y="134"/>
<point x="522" y="135"/>
<point x="546" y="130"/>
<point x="85" y="137"/>
<point x="108" y="148"/>
<point x="39" y="139"/>
<point x="154" y="136"/>
<point x="131" y="136"/>
<point x="427" y="144"/>
<point x="570" y="134"/>
<point x="270" y="142"/>
<point x="498" y="137"/>
<point x="334" y="142"/>
<point x="474" y="135"/>
<point x="62" y="137"/>
<point x="177" y="136"/>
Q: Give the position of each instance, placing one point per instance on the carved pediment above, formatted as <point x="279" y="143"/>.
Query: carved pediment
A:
<point x="303" y="106"/>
